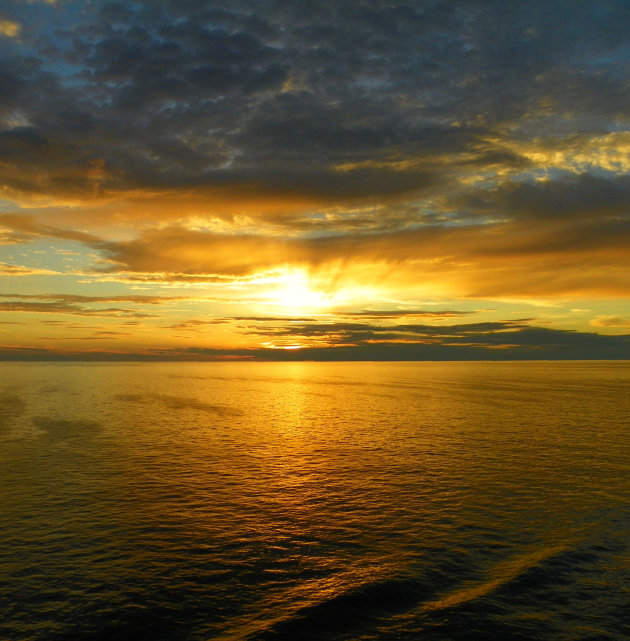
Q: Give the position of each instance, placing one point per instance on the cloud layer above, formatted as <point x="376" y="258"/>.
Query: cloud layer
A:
<point x="389" y="151"/>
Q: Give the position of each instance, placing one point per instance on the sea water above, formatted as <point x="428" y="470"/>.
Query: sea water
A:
<point x="357" y="501"/>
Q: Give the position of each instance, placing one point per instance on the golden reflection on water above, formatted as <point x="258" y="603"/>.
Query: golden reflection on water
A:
<point x="259" y="494"/>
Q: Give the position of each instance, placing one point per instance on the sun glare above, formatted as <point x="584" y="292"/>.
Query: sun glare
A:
<point x="294" y="294"/>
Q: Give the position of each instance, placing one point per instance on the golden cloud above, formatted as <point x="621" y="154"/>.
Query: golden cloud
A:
<point x="8" y="269"/>
<point x="482" y="261"/>
<point x="610" y="321"/>
<point x="9" y="28"/>
<point x="576" y="153"/>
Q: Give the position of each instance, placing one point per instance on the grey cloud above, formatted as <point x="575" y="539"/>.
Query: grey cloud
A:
<point x="201" y="93"/>
<point x="486" y="341"/>
<point x="356" y="333"/>
<point x="515" y="338"/>
<point x="578" y="198"/>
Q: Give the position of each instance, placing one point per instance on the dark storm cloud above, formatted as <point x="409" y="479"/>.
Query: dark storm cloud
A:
<point x="110" y="97"/>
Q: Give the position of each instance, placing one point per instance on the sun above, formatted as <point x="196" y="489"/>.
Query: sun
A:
<point x="294" y="293"/>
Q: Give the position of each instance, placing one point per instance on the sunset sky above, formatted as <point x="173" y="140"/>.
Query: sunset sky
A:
<point x="328" y="179"/>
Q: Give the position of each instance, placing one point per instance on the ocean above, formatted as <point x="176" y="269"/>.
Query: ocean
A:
<point x="298" y="501"/>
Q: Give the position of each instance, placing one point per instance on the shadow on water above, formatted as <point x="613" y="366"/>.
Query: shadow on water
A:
<point x="62" y="429"/>
<point x="180" y="403"/>
<point x="11" y="405"/>
<point x="137" y="624"/>
<point x="409" y="609"/>
<point x="348" y="612"/>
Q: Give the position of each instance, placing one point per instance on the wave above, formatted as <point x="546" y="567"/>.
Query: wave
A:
<point x="350" y="610"/>
<point x="373" y="604"/>
<point x="504" y="573"/>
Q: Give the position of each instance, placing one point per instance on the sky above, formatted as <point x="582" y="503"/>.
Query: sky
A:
<point x="210" y="180"/>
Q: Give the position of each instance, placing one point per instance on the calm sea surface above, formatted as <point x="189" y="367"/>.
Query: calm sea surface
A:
<point x="356" y="501"/>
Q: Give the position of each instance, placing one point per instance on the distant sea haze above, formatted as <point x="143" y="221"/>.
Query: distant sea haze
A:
<point x="333" y="501"/>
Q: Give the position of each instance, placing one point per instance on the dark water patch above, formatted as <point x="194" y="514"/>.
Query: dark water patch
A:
<point x="67" y="428"/>
<point x="132" y="623"/>
<point x="349" y="612"/>
<point x="180" y="403"/>
<point x="131" y="398"/>
<point x="11" y="406"/>
<point x="183" y="402"/>
<point x="53" y="389"/>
